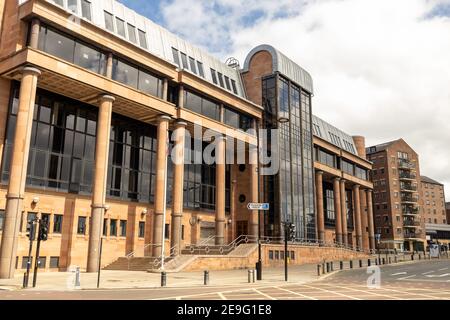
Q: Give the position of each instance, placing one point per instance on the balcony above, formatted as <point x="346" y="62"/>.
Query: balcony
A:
<point x="406" y="197"/>
<point x="404" y="175"/>
<point x="405" y="164"/>
<point x="410" y="210"/>
<point x="408" y="187"/>
<point x="411" y="223"/>
<point x="411" y="235"/>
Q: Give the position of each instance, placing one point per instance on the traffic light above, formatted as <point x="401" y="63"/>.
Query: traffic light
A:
<point x="292" y="232"/>
<point x="31" y="234"/>
<point x="43" y="231"/>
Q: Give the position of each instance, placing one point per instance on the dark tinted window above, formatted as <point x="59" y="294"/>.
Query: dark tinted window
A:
<point x="176" y="57"/>
<point x="125" y="73"/>
<point x="89" y="58"/>
<point x="214" y="76"/>
<point x="201" y="105"/>
<point x="150" y="84"/>
<point x="57" y="44"/>
<point x="120" y="24"/>
<point x="220" y="79"/>
<point x="81" y="228"/>
<point x="109" y="21"/>
<point x="86" y="9"/>
<point x="57" y="223"/>
<point x="192" y="63"/>
<point x="132" y="33"/>
<point x="201" y="72"/>
<point x="143" y="39"/>
<point x="2" y="218"/>
<point x="184" y="60"/>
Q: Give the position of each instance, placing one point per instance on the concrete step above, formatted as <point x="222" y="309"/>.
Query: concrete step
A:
<point x="132" y="264"/>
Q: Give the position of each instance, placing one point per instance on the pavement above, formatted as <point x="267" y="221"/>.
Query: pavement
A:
<point x="413" y="280"/>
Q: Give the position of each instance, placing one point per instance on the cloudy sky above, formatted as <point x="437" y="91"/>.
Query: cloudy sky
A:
<point x="381" y="68"/>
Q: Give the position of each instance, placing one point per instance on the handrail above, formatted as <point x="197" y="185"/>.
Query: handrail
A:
<point x="173" y="251"/>
<point x="131" y="254"/>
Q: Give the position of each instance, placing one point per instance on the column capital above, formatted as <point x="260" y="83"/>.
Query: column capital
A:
<point x="107" y="97"/>
<point x="319" y="172"/>
<point x="221" y="138"/>
<point x="337" y="179"/>
<point x="181" y="123"/>
<point x="369" y="190"/>
<point x="356" y="186"/>
<point x="164" y="117"/>
<point x="31" y="70"/>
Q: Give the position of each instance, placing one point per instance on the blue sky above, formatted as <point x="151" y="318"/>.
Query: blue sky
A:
<point x="148" y="8"/>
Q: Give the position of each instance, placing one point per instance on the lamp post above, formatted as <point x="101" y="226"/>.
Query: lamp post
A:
<point x="378" y="238"/>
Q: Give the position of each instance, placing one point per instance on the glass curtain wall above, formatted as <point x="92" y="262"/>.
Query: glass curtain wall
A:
<point x="293" y="199"/>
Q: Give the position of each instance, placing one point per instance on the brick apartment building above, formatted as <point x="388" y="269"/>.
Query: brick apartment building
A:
<point x="90" y="92"/>
<point x="396" y="179"/>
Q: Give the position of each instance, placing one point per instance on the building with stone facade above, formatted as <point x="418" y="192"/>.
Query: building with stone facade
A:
<point x="434" y="212"/>
<point x="397" y="204"/>
<point x="96" y="100"/>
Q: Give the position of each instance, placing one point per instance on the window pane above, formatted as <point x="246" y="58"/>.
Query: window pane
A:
<point x="86" y="9"/>
<point x="87" y="57"/>
<point x="2" y="218"/>
<point x="72" y="5"/>
<point x="200" y="69"/>
<point x="120" y="24"/>
<point x="192" y="63"/>
<point x="184" y="60"/>
<point x="227" y="83"/>
<point x="233" y="84"/>
<point x="231" y="118"/>
<point x="143" y="39"/>
<point x="131" y="33"/>
<point x="125" y="73"/>
<point x="149" y="84"/>
<point x="176" y="57"/>
<point x="109" y="24"/>
<point x="58" y="45"/>
<point x="214" y="76"/>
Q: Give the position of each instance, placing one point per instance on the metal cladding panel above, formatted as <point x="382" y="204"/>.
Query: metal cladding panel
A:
<point x="160" y="41"/>
<point x="283" y="65"/>
<point x="325" y="130"/>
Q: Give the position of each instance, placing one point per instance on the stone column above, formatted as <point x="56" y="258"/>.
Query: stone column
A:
<point x="337" y="209"/>
<point x="18" y="172"/>
<point x="357" y="210"/>
<point x="34" y="35"/>
<point x="253" y="160"/>
<point x="370" y="219"/>
<point x="320" y="214"/>
<point x="181" y="97"/>
<point x="100" y="180"/>
<point x="220" y="190"/>
<point x="178" y="184"/>
<point x="160" y="188"/>
<point x="344" y="214"/>
<point x="109" y="65"/>
<point x="165" y="89"/>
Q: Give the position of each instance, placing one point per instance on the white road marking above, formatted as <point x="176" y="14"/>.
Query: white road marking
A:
<point x="263" y="294"/>
<point x="369" y="292"/>
<point x="404" y="278"/>
<point x="399" y="273"/>
<point x="414" y="294"/>
<point x="336" y="293"/>
<point x="442" y="269"/>
<point x="297" y="293"/>
<point x="438" y="275"/>
<point x="428" y="272"/>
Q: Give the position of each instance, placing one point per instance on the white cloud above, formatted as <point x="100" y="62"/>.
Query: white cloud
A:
<point x="380" y="68"/>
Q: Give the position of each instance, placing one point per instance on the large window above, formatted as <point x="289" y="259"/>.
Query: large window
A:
<point x="327" y="158"/>
<point x="348" y="167"/>
<point x="137" y="78"/>
<point x="200" y="184"/>
<point x="131" y="33"/>
<point x="330" y="215"/>
<point x="361" y="173"/>
<point x="201" y="105"/>
<point x="132" y="160"/>
<point x="237" y="119"/>
<point x="61" y="154"/>
<point x="71" y="50"/>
